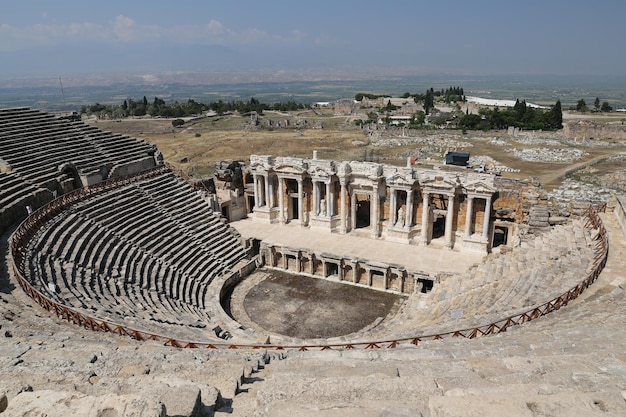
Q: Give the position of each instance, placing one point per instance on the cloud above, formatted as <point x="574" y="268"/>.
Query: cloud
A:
<point x="124" y="29"/>
<point x="15" y="38"/>
<point x="215" y="27"/>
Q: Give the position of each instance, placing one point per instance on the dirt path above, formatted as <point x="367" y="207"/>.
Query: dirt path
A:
<point x="554" y="178"/>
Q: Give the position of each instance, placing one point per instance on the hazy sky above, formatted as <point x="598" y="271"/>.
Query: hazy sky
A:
<point x="454" y="36"/>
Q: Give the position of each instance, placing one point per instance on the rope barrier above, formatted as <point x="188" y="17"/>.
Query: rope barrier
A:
<point x="33" y="223"/>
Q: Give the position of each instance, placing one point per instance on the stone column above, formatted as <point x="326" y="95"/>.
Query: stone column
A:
<point x="281" y="199"/>
<point x="316" y="198"/>
<point x="255" y="180"/>
<point x="392" y="208"/>
<point x="299" y="261"/>
<point x="264" y="190"/>
<point x="409" y="210"/>
<point x="300" y="202"/>
<point x="449" y="219"/>
<point x="353" y="210"/>
<point x="486" y="220"/>
<point x="269" y="184"/>
<point x="425" y="220"/>
<point x="469" y="216"/>
<point x="342" y="227"/>
<point x="374" y="216"/>
<point x="329" y="201"/>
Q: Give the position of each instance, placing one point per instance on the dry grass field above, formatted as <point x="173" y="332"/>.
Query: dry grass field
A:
<point x="199" y="144"/>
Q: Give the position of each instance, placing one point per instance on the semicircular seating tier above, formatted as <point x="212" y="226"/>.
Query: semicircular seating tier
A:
<point x="42" y="155"/>
<point x="540" y="269"/>
<point x="142" y="255"/>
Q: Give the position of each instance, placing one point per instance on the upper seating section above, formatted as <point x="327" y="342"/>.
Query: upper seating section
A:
<point x="41" y="155"/>
<point x="39" y="147"/>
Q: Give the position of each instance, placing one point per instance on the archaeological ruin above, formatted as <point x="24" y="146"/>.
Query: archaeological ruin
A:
<point x="112" y="243"/>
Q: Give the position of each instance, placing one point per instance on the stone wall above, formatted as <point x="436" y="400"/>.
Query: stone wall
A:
<point x="348" y="270"/>
<point x="589" y="129"/>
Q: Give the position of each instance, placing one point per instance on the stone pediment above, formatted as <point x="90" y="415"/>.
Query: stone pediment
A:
<point x="440" y="181"/>
<point x="261" y="162"/>
<point x="344" y="169"/>
<point x="479" y="187"/>
<point x="289" y="165"/>
<point x="403" y="177"/>
<point x="321" y="168"/>
<point x="366" y="169"/>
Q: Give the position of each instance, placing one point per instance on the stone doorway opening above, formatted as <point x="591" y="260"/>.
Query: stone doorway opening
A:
<point x="332" y="269"/>
<point x="500" y="235"/>
<point x="293" y="204"/>
<point x="362" y="211"/>
<point x="293" y="201"/>
<point x="439" y="226"/>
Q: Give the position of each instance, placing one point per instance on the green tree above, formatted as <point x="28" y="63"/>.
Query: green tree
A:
<point x="470" y="121"/>
<point x="553" y="119"/>
<point x="429" y="101"/>
<point x="596" y="104"/>
<point x="178" y="122"/>
<point x="417" y="120"/>
<point x="581" y="106"/>
<point x="606" y="107"/>
<point x="372" y="117"/>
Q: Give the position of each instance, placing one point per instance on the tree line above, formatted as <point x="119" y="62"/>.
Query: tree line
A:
<point x="158" y="107"/>
<point x="581" y="106"/>
<point x="520" y="115"/>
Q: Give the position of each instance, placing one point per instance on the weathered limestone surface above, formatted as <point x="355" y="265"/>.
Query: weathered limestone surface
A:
<point x="49" y="403"/>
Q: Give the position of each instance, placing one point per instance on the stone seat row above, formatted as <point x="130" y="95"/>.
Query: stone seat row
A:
<point x="51" y="150"/>
<point x="149" y="250"/>
<point x="15" y="195"/>
<point x="88" y="288"/>
<point x="539" y="270"/>
<point x="111" y="255"/>
<point x="505" y="285"/>
<point x="111" y="299"/>
<point x="149" y="226"/>
<point x="35" y="144"/>
<point x="13" y="188"/>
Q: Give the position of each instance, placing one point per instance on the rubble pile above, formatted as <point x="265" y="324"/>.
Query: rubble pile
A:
<point x="547" y="154"/>
<point x="532" y="139"/>
<point x="498" y="142"/>
<point x="482" y="160"/>
<point x="589" y="185"/>
<point x="572" y="189"/>
<point x="431" y="140"/>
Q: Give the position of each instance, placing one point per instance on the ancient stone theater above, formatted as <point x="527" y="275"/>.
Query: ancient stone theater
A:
<point x="116" y="255"/>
